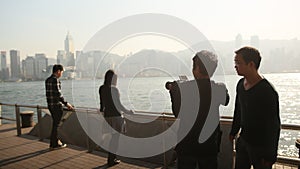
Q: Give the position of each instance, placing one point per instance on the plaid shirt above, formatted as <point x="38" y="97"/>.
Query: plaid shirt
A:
<point x="53" y="91"/>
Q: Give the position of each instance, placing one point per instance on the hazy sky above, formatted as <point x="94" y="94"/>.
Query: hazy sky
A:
<point x="40" y="26"/>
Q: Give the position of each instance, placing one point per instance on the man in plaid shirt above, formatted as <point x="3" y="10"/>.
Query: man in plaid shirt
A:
<point x="55" y="102"/>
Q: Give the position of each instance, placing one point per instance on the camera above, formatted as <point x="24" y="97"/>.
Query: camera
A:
<point x="169" y="85"/>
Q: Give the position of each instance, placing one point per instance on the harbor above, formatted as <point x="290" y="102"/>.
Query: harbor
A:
<point x="125" y="84"/>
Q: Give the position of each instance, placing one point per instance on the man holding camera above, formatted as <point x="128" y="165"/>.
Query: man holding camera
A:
<point x="196" y="104"/>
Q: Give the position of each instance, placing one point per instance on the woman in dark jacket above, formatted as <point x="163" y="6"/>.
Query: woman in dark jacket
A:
<point x="111" y="106"/>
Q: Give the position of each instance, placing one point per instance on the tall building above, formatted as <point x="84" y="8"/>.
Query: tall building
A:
<point x="79" y="54"/>
<point x="4" y="73"/>
<point x="61" y="57"/>
<point x="70" y="59"/>
<point x="29" y="68"/>
<point x="79" y="60"/>
<point x="3" y="60"/>
<point x="66" y="57"/>
<point x="69" y="46"/>
<point x="51" y="61"/>
<point x="41" y="63"/>
<point x="15" y="64"/>
<point x="35" y="67"/>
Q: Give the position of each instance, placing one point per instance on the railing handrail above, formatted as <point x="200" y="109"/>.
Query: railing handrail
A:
<point x="163" y="115"/>
<point x="21" y="105"/>
<point x="5" y="118"/>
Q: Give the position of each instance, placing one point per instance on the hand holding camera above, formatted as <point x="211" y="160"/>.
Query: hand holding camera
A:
<point x="170" y="85"/>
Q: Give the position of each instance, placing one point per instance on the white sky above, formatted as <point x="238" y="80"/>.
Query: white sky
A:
<point x="40" y="26"/>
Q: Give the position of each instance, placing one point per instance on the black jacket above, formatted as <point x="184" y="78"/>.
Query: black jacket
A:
<point x="192" y="102"/>
<point x="110" y="102"/>
<point x="256" y="113"/>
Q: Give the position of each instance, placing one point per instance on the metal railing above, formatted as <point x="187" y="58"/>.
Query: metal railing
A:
<point x="161" y="116"/>
<point x="17" y="114"/>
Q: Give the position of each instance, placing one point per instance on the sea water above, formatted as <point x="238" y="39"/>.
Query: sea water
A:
<point x="149" y="94"/>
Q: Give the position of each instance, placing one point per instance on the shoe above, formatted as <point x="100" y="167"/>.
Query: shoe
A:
<point x="115" y="162"/>
<point x="58" y="147"/>
<point x="59" y="142"/>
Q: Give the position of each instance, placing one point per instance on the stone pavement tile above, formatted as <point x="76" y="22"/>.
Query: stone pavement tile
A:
<point x="276" y="166"/>
<point x="282" y="166"/>
<point x="28" y="152"/>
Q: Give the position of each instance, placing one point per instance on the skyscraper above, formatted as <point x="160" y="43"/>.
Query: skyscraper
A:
<point x="61" y="57"/>
<point x="66" y="57"/>
<point x="4" y="73"/>
<point x="69" y="46"/>
<point x="15" y="64"/>
<point x="29" y="68"/>
<point x="41" y="63"/>
<point x="3" y="60"/>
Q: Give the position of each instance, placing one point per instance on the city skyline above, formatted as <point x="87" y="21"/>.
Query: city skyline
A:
<point x="40" y="26"/>
<point x="282" y="53"/>
<point x="35" y="67"/>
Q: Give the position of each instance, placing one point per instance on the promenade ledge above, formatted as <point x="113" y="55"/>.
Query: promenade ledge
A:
<point x="29" y="147"/>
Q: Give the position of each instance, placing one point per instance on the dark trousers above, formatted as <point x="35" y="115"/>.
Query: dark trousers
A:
<point x="111" y="158"/>
<point x="190" y="162"/>
<point x="247" y="155"/>
<point x="113" y="147"/>
<point x="56" y="114"/>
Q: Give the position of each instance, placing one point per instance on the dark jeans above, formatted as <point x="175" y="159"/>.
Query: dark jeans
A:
<point x="56" y="114"/>
<point x="247" y="155"/>
<point x="113" y="147"/>
<point x="111" y="158"/>
<point x="189" y="162"/>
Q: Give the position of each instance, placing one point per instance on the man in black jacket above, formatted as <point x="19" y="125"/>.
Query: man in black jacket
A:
<point x="196" y="104"/>
<point x="256" y="113"/>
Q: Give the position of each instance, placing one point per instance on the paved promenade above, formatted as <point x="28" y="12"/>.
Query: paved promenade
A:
<point x="28" y="152"/>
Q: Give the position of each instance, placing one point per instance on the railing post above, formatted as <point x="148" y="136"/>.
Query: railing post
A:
<point x="39" y="117"/>
<point x="233" y="152"/>
<point x="17" y="110"/>
<point x="164" y="149"/>
<point x="88" y="140"/>
<point x="0" y="114"/>
<point x="298" y="146"/>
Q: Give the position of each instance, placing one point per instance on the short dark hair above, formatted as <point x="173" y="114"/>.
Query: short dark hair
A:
<point x="57" y="67"/>
<point x="207" y="62"/>
<point x="250" y="54"/>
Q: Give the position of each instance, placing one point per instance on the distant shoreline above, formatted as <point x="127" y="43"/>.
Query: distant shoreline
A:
<point x="65" y="79"/>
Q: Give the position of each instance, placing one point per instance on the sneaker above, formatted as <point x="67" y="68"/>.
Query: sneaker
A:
<point x="59" y="142"/>
<point x="115" y="162"/>
<point x="58" y="147"/>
